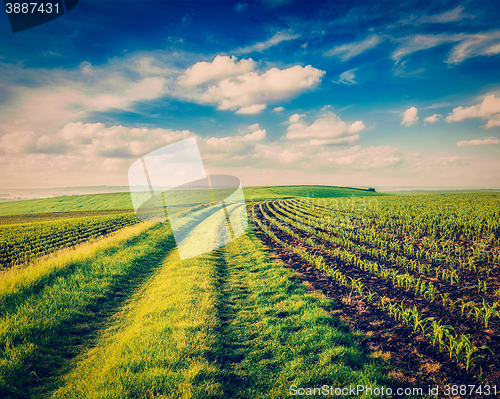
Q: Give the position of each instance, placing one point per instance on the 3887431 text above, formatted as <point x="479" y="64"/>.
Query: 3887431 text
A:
<point x="32" y="8"/>
<point x="451" y="390"/>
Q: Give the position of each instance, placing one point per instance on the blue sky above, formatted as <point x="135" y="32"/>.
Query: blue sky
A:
<point x="276" y="92"/>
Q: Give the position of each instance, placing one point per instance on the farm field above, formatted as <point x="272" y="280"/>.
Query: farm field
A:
<point x="124" y="318"/>
<point x="420" y="275"/>
<point x="375" y="291"/>
<point x="113" y="201"/>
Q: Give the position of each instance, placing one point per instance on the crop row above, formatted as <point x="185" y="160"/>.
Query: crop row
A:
<point x="346" y="252"/>
<point x="20" y="243"/>
<point x="386" y="249"/>
<point x="408" y="241"/>
<point x="459" y="347"/>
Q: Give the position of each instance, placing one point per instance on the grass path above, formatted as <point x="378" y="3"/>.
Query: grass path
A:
<point x="61" y="310"/>
<point x="226" y="324"/>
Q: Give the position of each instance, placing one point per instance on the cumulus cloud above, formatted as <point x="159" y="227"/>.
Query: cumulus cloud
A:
<point x="220" y="68"/>
<point x="251" y="109"/>
<point x="295" y="118"/>
<point x="257" y="135"/>
<point x="276" y="154"/>
<point x="245" y="90"/>
<point x="95" y="139"/>
<point x="410" y="117"/>
<point x="328" y="129"/>
<point x="357" y="158"/>
<point x="64" y="97"/>
<point x="489" y="109"/>
<point x="432" y="119"/>
<point x="483" y="141"/>
<point x="347" y="51"/>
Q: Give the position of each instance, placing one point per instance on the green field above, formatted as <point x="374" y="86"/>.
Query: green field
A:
<point x="122" y="200"/>
<point x="341" y="290"/>
<point x="125" y="318"/>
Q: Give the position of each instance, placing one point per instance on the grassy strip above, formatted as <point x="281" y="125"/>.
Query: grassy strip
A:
<point x="227" y="324"/>
<point x="275" y="335"/>
<point x="157" y="346"/>
<point x="58" y="320"/>
<point x="18" y="284"/>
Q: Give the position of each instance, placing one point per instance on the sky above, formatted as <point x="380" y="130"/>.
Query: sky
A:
<point x="276" y="92"/>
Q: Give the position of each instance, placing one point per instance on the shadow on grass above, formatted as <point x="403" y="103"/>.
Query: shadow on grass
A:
<point x="54" y="346"/>
<point x="272" y="334"/>
<point x="228" y="350"/>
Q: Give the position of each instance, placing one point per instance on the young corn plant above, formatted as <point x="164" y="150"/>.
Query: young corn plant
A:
<point x="370" y="295"/>
<point x="489" y="311"/>
<point x="455" y="277"/>
<point x="431" y="292"/>
<point x="384" y="303"/>
<point x="470" y="349"/>
<point x="477" y="311"/>
<point x="439" y="333"/>
<point x="465" y="305"/>
<point x="444" y="297"/>
<point x="482" y="286"/>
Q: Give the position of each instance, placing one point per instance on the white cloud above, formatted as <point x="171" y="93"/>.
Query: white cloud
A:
<point x="356" y="127"/>
<point x="328" y="129"/>
<point x="144" y="66"/>
<point x="276" y="39"/>
<point x="97" y="140"/>
<point x="254" y="127"/>
<point x="432" y="119"/>
<point x="146" y="89"/>
<point x="349" y="140"/>
<point x="481" y="44"/>
<point x="68" y="96"/>
<point x="246" y="90"/>
<point x="347" y="51"/>
<point x="278" y="109"/>
<point x="251" y="109"/>
<point x="257" y="135"/>
<point x="348" y="77"/>
<point x="410" y="117"/>
<point x="468" y="45"/>
<point x="356" y="158"/>
<point x="413" y="43"/>
<point x="295" y="118"/>
<point x="489" y="109"/>
<point x="220" y="68"/>
<point x="448" y="161"/>
<point x="276" y="154"/>
<point x="483" y="141"/>
<point x="453" y="15"/>
<point x="493" y="123"/>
